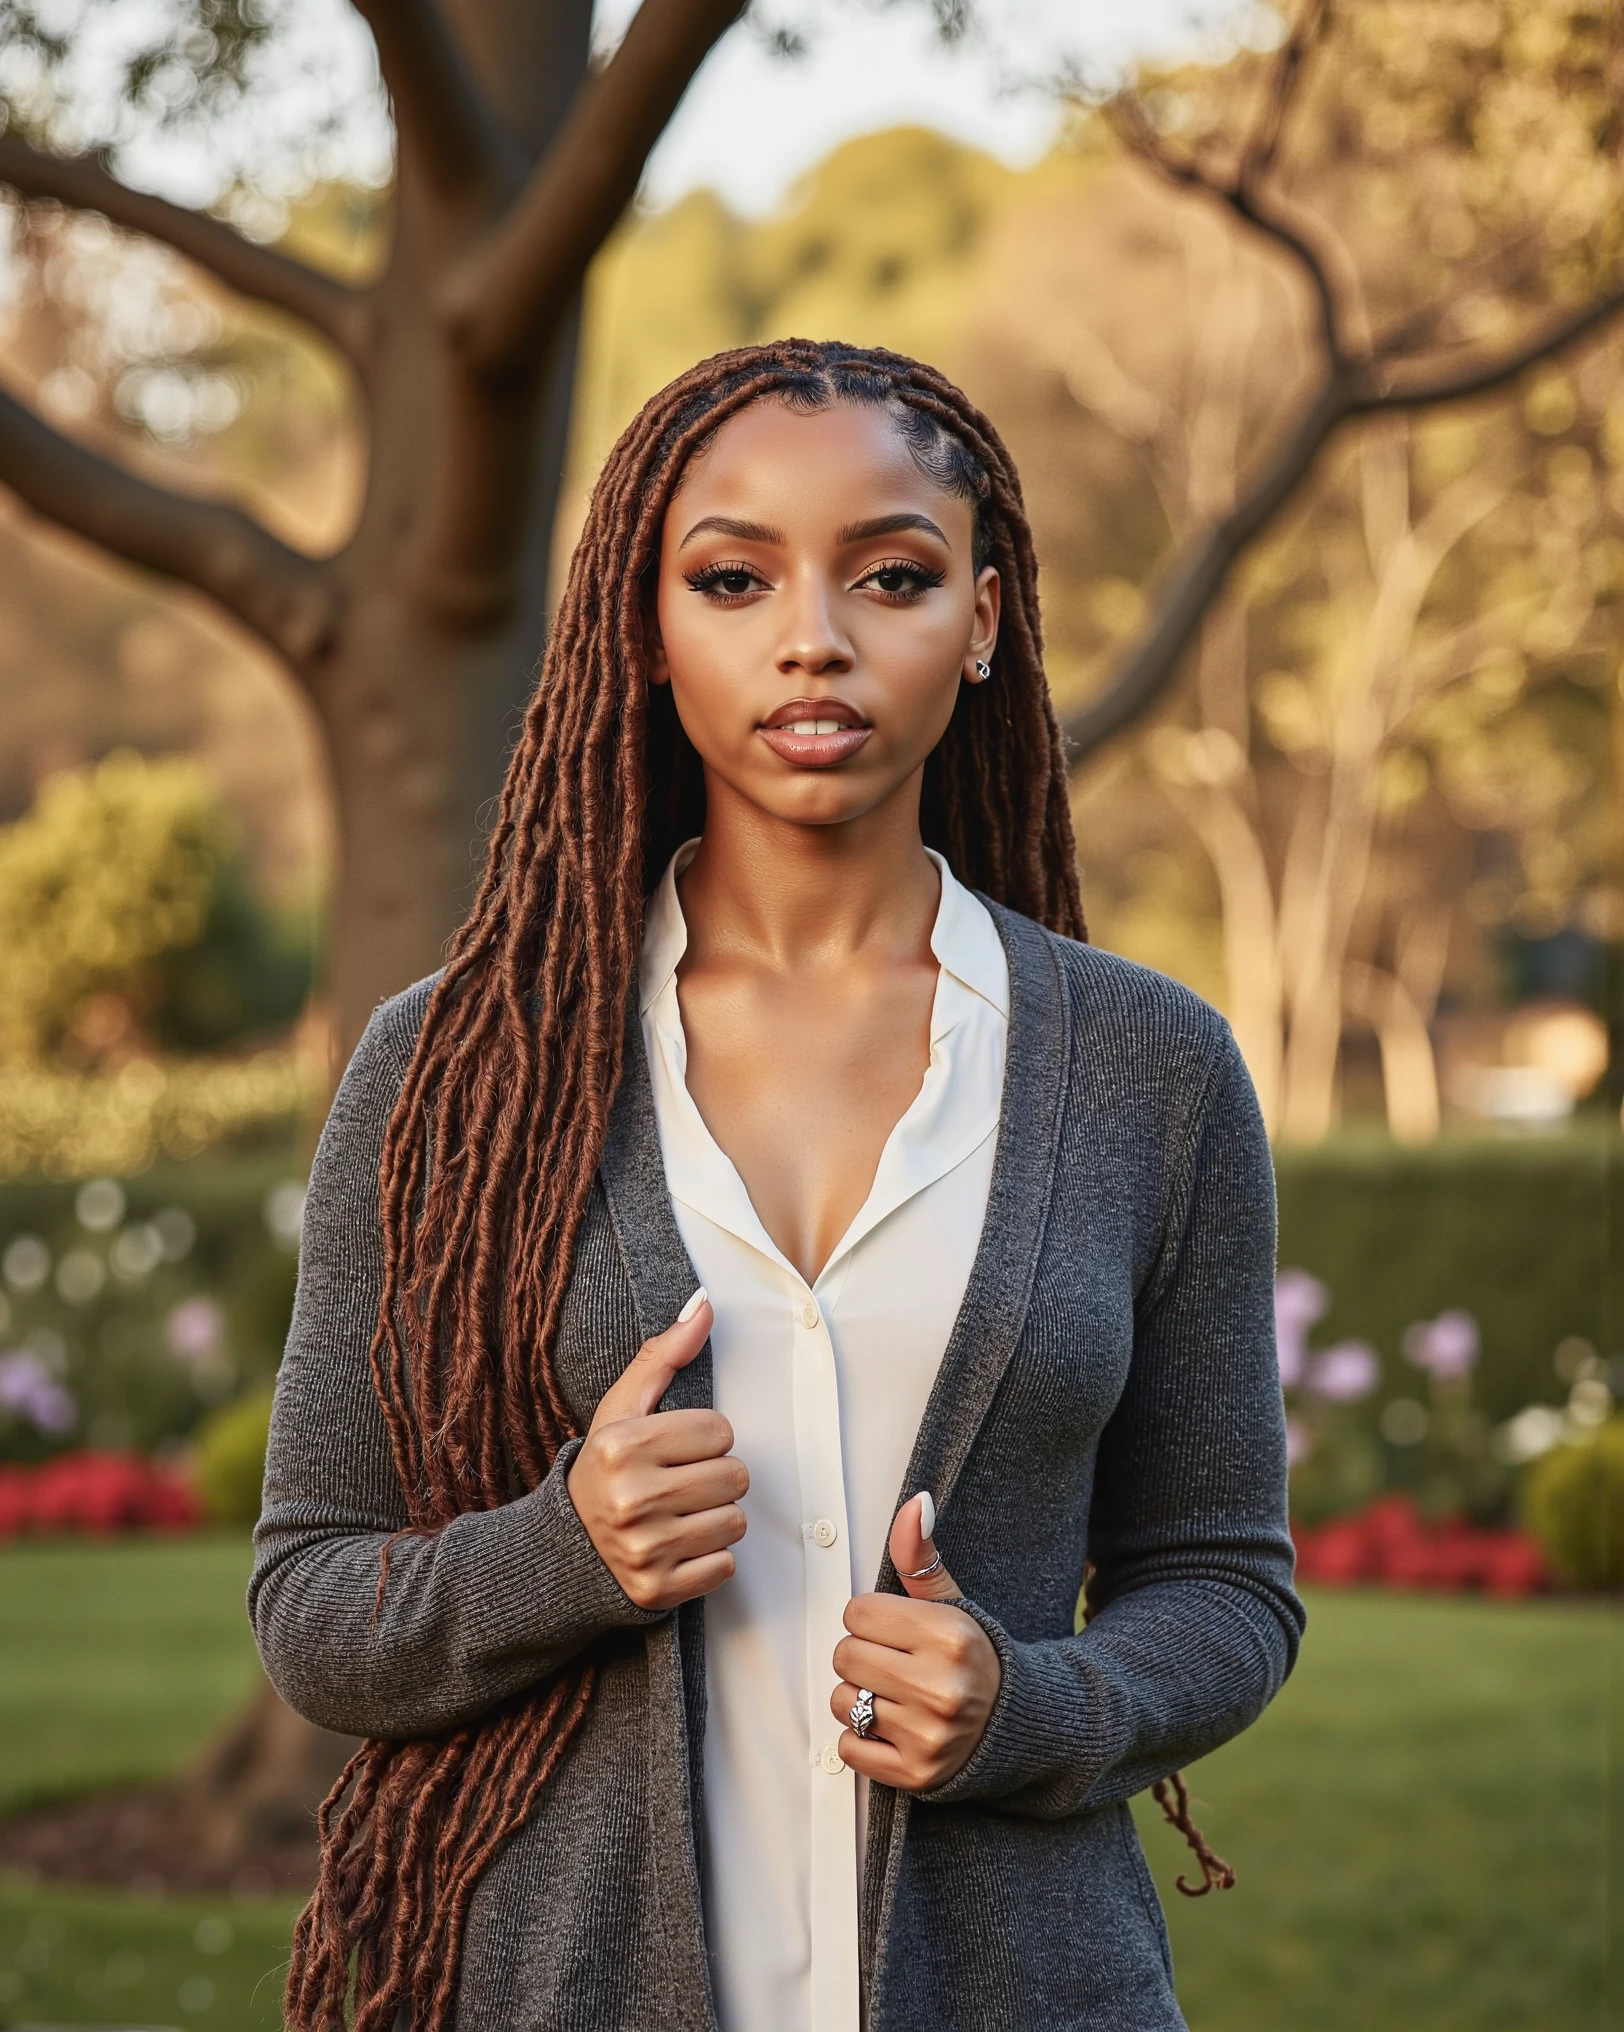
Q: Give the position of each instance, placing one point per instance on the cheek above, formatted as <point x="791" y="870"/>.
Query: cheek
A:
<point x="708" y="653"/>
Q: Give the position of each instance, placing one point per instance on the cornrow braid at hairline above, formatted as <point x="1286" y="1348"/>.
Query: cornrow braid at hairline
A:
<point x="511" y="1083"/>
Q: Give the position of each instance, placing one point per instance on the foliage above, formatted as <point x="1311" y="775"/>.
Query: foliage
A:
<point x="63" y="1124"/>
<point x="1495" y="1303"/>
<point x="1390" y="1543"/>
<point x="96" y="1494"/>
<point x="133" y="936"/>
<point x="147" y="1303"/>
<point x="228" y="1458"/>
<point x="170" y="83"/>
<point x="1512" y="1228"/>
<point x="128" y="920"/>
<point x="1573" y="1499"/>
<point x="112" y="869"/>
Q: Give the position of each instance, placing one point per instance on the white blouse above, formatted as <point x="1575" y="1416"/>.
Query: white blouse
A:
<point x="825" y="1386"/>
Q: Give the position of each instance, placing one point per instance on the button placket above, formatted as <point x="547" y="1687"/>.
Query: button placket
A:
<point x="815" y="1400"/>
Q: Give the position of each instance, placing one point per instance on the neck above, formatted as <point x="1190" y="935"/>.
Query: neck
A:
<point x="795" y="898"/>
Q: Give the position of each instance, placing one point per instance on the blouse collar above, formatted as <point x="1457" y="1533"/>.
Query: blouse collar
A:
<point x="954" y="1112"/>
<point x="963" y="937"/>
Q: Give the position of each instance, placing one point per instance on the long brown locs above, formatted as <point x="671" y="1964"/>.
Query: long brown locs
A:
<point x="511" y="1084"/>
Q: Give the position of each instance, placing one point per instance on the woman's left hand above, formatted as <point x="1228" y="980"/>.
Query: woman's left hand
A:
<point x="931" y="1668"/>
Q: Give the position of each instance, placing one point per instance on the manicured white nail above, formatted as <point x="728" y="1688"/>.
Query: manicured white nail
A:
<point x="927" y="1516"/>
<point x="692" y="1306"/>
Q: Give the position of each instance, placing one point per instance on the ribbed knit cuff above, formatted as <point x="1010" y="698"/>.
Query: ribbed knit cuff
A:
<point x="543" y="1584"/>
<point x="1031" y="1731"/>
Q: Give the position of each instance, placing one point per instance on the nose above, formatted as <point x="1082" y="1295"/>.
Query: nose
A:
<point x="812" y="640"/>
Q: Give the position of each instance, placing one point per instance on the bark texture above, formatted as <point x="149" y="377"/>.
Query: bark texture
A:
<point x="417" y="642"/>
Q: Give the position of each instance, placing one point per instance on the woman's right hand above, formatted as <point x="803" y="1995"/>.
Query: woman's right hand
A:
<point x="658" y="1491"/>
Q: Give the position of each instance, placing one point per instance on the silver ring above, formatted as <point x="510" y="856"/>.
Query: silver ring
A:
<point x="925" y="1572"/>
<point x="862" y="1713"/>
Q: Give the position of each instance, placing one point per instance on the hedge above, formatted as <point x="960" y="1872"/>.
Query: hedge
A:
<point x="1524" y="1232"/>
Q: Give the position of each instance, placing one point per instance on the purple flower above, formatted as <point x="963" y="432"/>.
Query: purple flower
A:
<point x="1447" y="1347"/>
<point x="1299" y="1300"/>
<point x="1299" y="1441"/>
<point x="29" y="1390"/>
<point x="1345" y="1373"/>
<point x="195" y="1330"/>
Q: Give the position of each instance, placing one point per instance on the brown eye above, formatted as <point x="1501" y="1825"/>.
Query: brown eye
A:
<point x="901" y="579"/>
<point x="724" y="581"/>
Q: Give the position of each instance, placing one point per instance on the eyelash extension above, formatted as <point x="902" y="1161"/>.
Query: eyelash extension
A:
<point x="924" y="576"/>
<point x="709" y="576"/>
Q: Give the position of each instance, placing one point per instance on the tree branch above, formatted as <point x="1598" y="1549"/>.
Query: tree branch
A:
<point x="439" y="116"/>
<point x="1198" y="577"/>
<point x="1195" y="580"/>
<point x="337" y="311"/>
<point x="1280" y="93"/>
<point x="1241" y="194"/>
<point x="504" y="298"/>
<point x="1482" y="377"/>
<point x="290" y="601"/>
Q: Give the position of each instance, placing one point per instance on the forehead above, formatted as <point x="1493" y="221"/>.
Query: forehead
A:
<point x="771" y="463"/>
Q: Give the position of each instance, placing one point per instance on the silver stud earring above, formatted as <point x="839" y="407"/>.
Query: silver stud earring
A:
<point x="983" y="670"/>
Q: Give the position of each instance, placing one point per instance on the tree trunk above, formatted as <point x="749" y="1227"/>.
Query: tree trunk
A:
<point x="417" y="643"/>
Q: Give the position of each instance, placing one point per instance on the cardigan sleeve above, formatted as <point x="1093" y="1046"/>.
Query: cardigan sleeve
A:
<point x="1194" y="1624"/>
<point x="492" y="1602"/>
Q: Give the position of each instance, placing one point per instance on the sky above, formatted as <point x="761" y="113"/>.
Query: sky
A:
<point x="751" y="124"/>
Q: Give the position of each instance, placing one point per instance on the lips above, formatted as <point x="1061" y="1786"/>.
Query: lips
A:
<point x="815" y="733"/>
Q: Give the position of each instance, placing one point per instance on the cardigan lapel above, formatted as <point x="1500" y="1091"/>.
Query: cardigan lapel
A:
<point x="662" y="1277"/>
<point x="988" y="1326"/>
<point x="995" y="1299"/>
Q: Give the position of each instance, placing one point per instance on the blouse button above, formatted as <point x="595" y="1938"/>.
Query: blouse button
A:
<point x="809" y="1314"/>
<point x="824" y="1532"/>
<point x="831" y="1760"/>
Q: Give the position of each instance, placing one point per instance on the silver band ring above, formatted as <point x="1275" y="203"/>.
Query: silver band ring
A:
<point x="862" y="1714"/>
<point x="925" y="1572"/>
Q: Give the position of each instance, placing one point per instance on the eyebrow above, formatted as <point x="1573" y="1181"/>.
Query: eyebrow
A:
<point x="890" y="525"/>
<point x="728" y="525"/>
<point x="853" y="532"/>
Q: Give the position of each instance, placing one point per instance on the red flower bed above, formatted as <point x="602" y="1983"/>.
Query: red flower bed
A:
<point x="94" y="1492"/>
<point x="1390" y="1544"/>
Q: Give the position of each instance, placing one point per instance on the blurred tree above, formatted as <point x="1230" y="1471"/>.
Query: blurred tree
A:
<point x="1415" y="672"/>
<point x="414" y="641"/>
<point x="1491" y="131"/>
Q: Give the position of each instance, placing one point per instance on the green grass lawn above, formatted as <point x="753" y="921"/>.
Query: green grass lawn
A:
<point x="116" y="1662"/>
<point x="1420" y="1825"/>
<point x="1420" y="1822"/>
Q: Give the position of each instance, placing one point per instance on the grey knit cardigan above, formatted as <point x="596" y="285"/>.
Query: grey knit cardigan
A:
<point x="1109" y="1394"/>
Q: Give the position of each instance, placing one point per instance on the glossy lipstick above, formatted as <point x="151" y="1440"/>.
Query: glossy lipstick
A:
<point x="815" y="733"/>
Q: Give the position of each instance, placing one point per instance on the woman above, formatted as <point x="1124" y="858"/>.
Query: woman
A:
<point x="783" y="1268"/>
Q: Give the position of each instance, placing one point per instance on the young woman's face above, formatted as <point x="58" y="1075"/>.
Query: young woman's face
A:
<point x="817" y="610"/>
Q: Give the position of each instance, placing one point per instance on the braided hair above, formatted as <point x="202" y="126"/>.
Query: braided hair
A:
<point x="511" y="1083"/>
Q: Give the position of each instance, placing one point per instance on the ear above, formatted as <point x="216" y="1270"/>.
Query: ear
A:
<point x="654" y="656"/>
<point x="984" y="630"/>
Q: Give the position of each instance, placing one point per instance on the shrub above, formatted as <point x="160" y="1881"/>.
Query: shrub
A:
<point x="129" y="1309"/>
<point x="228" y="1467"/>
<point x="1512" y="1228"/>
<point x="96" y="1492"/>
<point x="1573" y="1500"/>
